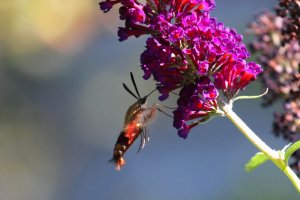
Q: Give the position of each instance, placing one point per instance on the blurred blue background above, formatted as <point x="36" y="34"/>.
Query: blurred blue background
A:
<point x="62" y="107"/>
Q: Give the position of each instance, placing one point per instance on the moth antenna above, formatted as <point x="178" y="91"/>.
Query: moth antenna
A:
<point x="129" y="91"/>
<point x="133" y="82"/>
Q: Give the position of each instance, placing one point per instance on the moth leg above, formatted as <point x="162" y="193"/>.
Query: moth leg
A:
<point x="146" y="135"/>
<point x="160" y="110"/>
<point x="143" y="141"/>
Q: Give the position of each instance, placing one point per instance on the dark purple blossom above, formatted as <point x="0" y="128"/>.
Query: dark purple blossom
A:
<point x="281" y="75"/>
<point x="289" y="10"/>
<point x="190" y="51"/>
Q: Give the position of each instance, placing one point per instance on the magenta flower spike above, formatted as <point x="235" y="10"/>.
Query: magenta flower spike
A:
<point x="189" y="51"/>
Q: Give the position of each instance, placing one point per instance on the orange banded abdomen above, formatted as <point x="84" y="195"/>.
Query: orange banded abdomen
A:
<point x="124" y="141"/>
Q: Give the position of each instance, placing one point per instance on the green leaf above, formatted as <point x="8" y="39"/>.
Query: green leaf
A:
<point x="290" y="150"/>
<point x="258" y="159"/>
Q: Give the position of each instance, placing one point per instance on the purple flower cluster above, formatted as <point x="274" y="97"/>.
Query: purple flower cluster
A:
<point x="187" y="50"/>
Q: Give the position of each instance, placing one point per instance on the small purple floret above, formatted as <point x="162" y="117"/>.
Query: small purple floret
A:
<point x="105" y="6"/>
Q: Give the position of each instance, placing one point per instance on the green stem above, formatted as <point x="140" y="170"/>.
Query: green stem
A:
<point x="275" y="156"/>
<point x="293" y="177"/>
